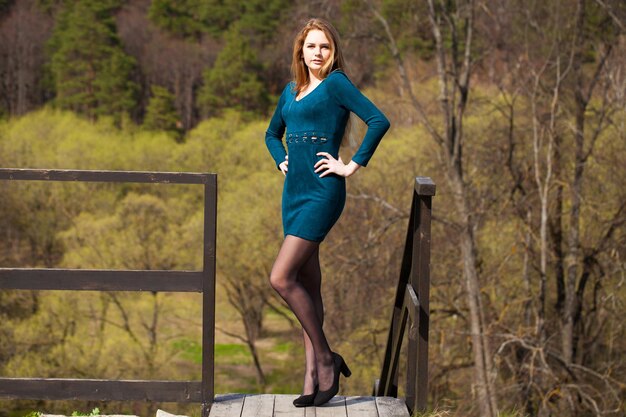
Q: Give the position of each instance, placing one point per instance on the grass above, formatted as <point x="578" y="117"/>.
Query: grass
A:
<point x="447" y="413"/>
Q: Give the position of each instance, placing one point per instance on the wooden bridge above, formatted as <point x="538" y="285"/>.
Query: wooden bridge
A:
<point x="410" y="310"/>
<point x="269" y="405"/>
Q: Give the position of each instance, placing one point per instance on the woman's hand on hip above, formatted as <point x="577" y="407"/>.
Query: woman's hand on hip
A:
<point x="284" y="165"/>
<point x="331" y="165"/>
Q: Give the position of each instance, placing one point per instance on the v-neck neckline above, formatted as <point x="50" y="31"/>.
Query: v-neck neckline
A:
<point x="309" y="93"/>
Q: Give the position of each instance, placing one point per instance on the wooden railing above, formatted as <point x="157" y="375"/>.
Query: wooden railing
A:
<point x="411" y="306"/>
<point x="124" y="280"/>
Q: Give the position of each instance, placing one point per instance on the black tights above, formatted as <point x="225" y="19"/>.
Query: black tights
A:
<point x="296" y="276"/>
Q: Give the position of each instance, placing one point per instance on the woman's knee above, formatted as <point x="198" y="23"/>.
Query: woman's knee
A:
<point x="280" y="282"/>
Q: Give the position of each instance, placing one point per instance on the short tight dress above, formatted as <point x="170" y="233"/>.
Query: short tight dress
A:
<point x="316" y="123"/>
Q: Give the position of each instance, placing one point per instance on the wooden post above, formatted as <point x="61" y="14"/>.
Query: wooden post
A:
<point x="208" y="295"/>
<point x="420" y="280"/>
<point x="412" y="301"/>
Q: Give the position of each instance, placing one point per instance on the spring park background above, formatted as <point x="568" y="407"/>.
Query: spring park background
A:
<point x="516" y="109"/>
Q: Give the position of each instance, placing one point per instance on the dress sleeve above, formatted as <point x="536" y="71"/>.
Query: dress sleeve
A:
<point x="275" y="131"/>
<point x="350" y="98"/>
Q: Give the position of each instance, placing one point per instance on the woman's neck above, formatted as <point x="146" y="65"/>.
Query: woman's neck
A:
<point x="314" y="77"/>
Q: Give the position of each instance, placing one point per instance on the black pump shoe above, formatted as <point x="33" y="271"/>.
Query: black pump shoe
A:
<point x="339" y="366"/>
<point x="306" y="400"/>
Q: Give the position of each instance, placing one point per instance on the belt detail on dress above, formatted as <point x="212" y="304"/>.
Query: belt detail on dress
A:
<point x="306" y="137"/>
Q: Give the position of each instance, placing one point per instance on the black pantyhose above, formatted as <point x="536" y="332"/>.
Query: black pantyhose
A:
<point x="296" y="277"/>
<point x="310" y="277"/>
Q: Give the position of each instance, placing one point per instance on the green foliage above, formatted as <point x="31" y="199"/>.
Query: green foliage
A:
<point x="262" y="18"/>
<point x="34" y="414"/>
<point x="161" y="113"/>
<point x="5" y="5"/>
<point x="15" y="306"/>
<point x="411" y="36"/>
<point x="142" y="234"/>
<point x="51" y="5"/>
<point x="191" y="18"/>
<point x="94" y="412"/>
<point x="407" y="22"/>
<point x="91" y="72"/>
<point x="233" y="81"/>
<point x="4" y="114"/>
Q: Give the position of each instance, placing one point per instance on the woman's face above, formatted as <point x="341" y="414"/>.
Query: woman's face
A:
<point x="316" y="50"/>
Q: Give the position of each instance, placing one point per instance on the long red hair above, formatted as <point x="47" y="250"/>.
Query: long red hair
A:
<point x="299" y="69"/>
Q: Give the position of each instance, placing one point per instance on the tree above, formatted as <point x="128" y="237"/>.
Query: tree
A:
<point x="161" y="113"/>
<point x="5" y="5"/>
<point x="452" y="27"/>
<point x="558" y="108"/>
<point x="91" y="72"/>
<point x="15" y="306"/>
<point x="233" y="81"/>
<point x="191" y="18"/>
<point x="23" y="32"/>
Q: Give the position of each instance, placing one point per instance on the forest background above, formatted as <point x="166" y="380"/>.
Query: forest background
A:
<point x="516" y="109"/>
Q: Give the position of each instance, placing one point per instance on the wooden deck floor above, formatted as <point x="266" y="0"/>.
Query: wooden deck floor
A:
<point x="270" y="405"/>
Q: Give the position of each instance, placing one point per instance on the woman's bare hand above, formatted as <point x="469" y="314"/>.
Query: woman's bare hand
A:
<point x="284" y="165"/>
<point x="331" y="165"/>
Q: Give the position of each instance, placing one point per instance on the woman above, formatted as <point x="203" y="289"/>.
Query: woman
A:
<point x="314" y="110"/>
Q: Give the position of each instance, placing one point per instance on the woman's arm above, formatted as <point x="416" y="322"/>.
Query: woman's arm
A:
<point x="350" y="98"/>
<point x="275" y="131"/>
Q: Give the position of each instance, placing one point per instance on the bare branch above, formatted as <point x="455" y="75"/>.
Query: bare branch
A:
<point x="393" y="48"/>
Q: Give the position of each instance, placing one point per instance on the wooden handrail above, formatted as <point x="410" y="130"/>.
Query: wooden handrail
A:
<point x="124" y="280"/>
<point x="411" y="306"/>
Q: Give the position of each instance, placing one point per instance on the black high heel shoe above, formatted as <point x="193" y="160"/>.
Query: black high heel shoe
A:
<point x="306" y="400"/>
<point x="339" y="366"/>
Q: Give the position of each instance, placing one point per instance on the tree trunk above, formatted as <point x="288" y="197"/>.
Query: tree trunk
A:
<point x="480" y="345"/>
<point x="573" y="239"/>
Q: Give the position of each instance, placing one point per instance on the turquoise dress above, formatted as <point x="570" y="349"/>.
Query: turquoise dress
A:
<point x="316" y="123"/>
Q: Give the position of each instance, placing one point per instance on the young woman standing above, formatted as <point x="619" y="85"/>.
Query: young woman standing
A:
<point x="312" y="114"/>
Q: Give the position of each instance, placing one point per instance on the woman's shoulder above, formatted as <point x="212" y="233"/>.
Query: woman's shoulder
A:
<point x="337" y="74"/>
<point x="339" y="79"/>
<point x="287" y="90"/>
<point x="339" y="85"/>
<point x="289" y="87"/>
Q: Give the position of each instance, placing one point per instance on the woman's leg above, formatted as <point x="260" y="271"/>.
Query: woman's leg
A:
<point x="293" y="255"/>
<point x="310" y="276"/>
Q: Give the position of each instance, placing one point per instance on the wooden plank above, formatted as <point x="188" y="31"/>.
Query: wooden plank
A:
<point x="391" y="407"/>
<point x="258" y="405"/>
<point x="283" y="407"/>
<point x="208" y="293"/>
<point x="99" y="280"/>
<point x="425" y="186"/>
<point x="336" y="407"/>
<point x="310" y="412"/>
<point x="99" y="389"/>
<point x="104" y="176"/>
<point x="361" y="407"/>
<point x="227" y="405"/>
<point x="423" y="293"/>
<point x="412" y="307"/>
<point x="388" y="382"/>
